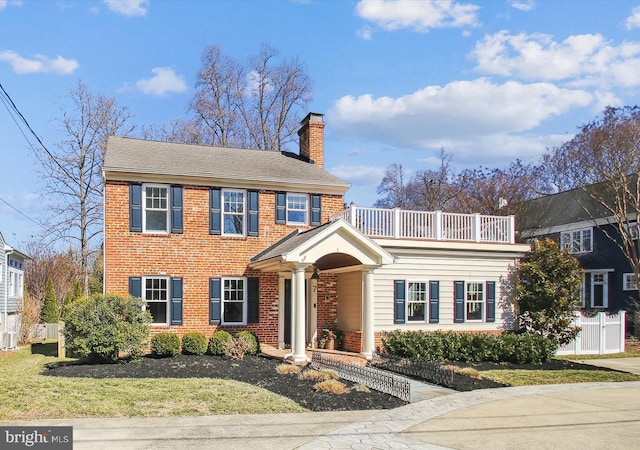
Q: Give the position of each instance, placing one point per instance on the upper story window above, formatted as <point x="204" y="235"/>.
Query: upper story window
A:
<point x="233" y="219"/>
<point x="156" y="208"/>
<point x="16" y="283"/>
<point x="297" y="208"/>
<point x="577" y="241"/>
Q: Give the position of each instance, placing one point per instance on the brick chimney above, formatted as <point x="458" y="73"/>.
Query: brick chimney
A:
<point x="311" y="137"/>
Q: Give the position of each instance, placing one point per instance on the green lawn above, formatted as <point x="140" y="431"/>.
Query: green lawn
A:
<point x="26" y="394"/>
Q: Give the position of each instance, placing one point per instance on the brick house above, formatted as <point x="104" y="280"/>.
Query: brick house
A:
<point x="238" y="239"/>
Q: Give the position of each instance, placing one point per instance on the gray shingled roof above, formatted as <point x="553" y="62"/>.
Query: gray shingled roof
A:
<point x="137" y="156"/>
<point x="566" y="207"/>
<point x="288" y="243"/>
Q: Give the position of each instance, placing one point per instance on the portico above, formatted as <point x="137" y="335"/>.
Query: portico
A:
<point x="335" y="247"/>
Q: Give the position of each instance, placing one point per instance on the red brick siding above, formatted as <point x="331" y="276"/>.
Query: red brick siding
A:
<point x="195" y="255"/>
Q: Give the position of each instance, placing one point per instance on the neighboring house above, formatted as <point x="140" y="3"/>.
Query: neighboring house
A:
<point x="239" y="239"/>
<point x="584" y="227"/>
<point x="11" y="292"/>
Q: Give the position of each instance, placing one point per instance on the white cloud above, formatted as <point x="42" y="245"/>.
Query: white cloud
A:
<point x="435" y="115"/>
<point x="365" y="33"/>
<point x="580" y="60"/>
<point x="523" y="5"/>
<point x="633" y="21"/>
<point x="419" y="15"/>
<point x="361" y="175"/>
<point x="40" y="63"/>
<point x="129" y="8"/>
<point x="5" y="3"/>
<point x="164" y="80"/>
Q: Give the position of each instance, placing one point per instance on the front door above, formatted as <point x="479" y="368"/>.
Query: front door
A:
<point x="288" y="311"/>
<point x="599" y="289"/>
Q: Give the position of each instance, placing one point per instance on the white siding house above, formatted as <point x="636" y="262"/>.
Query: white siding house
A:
<point x="11" y="293"/>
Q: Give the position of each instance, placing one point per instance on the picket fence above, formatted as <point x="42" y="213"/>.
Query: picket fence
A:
<point x="600" y="334"/>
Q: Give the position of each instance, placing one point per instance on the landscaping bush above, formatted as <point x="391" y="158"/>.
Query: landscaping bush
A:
<point x="194" y="343"/>
<point x="237" y="347"/>
<point x="252" y="339"/>
<point x="217" y="342"/>
<point x="469" y="347"/>
<point x="165" y="344"/>
<point x="106" y="326"/>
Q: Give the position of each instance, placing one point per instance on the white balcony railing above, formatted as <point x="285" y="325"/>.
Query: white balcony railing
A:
<point x="436" y="225"/>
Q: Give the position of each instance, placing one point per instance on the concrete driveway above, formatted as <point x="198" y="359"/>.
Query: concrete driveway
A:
<point x="631" y="365"/>
<point x="580" y="416"/>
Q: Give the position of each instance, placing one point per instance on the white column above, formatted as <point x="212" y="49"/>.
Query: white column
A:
<point x="368" y="335"/>
<point x="298" y="341"/>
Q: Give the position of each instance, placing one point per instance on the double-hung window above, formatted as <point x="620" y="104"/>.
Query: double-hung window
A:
<point x="297" y="208"/>
<point x="234" y="295"/>
<point x="233" y="209"/>
<point x="416" y="301"/>
<point x="577" y="241"/>
<point x="155" y="293"/>
<point x="156" y="208"/>
<point x="474" y="300"/>
<point x="417" y="293"/>
<point x="629" y="282"/>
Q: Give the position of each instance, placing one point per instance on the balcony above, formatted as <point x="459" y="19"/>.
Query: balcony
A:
<point x="430" y="225"/>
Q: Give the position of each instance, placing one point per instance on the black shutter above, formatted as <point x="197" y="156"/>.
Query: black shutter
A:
<point x="253" y="301"/>
<point x="491" y="301"/>
<point x="399" y="300"/>
<point x="316" y="210"/>
<point x="281" y="207"/>
<point x="434" y="301"/>
<point x="215" y="211"/>
<point x="458" y="310"/>
<point x="176" y="301"/>
<point x="176" y="209"/>
<point x="135" y="207"/>
<point x="253" y="213"/>
<point x="135" y="286"/>
<point x="215" y="300"/>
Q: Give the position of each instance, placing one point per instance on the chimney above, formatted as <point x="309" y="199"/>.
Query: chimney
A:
<point x="311" y="137"/>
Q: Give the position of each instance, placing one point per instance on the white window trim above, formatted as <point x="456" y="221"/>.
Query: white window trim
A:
<point x="425" y="303"/>
<point x="168" y="301"/>
<point x="245" y="302"/>
<point x="605" y="289"/>
<point x="244" y="212"/>
<point x="483" y="303"/>
<point x="625" y="277"/>
<point x="144" y="208"/>
<point x="568" y="245"/>
<point x="633" y="226"/>
<point x="306" y="210"/>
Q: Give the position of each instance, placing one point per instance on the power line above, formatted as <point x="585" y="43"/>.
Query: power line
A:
<point x="13" y="110"/>
<point x="19" y="212"/>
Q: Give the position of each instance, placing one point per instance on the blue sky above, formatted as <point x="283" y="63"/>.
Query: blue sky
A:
<point x="487" y="81"/>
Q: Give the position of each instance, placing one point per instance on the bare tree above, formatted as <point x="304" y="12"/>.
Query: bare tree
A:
<point x="395" y="190"/>
<point x="602" y="164"/>
<point x="73" y="170"/>
<point x="44" y="263"/>
<point x="434" y="190"/>
<point x="500" y="191"/>
<point x="251" y="105"/>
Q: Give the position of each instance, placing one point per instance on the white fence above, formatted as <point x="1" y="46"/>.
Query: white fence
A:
<point x="600" y="334"/>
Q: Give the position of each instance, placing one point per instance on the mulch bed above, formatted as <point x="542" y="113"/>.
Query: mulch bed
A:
<point x="256" y="370"/>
